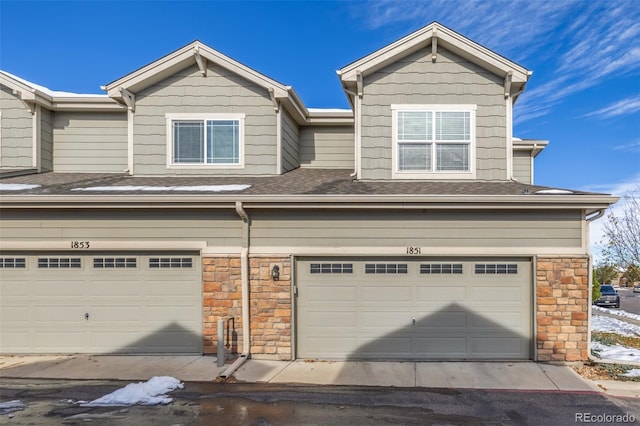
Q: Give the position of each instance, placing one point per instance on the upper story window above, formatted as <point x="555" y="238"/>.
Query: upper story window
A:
<point x="205" y="140"/>
<point x="433" y="141"/>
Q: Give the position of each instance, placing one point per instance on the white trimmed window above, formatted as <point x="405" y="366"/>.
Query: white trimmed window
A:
<point x="205" y="140"/>
<point x="435" y="141"/>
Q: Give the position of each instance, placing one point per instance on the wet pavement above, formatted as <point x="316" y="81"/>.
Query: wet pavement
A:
<point x="52" y="402"/>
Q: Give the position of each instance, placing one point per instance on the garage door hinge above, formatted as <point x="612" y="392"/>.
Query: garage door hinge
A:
<point x="295" y="290"/>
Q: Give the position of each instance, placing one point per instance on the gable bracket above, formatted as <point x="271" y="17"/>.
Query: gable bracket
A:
<point x="202" y="62"/>
<point x="507" y="84"/>
<point x="129" y="99"/>
<point x="359" y="84"/>
<point x="272" y="94"/>
<point x="31" y="106"/>
<point x="434" y="45"/>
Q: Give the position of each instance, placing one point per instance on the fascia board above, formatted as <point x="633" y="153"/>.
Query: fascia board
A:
<point x="180" y="59"/>
<point x="450" y="40"/>
<point x="590" y="201"/>
<point x="330" y="121"/>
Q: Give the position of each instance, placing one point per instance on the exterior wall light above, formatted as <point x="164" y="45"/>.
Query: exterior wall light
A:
<point x="275" y="273"/>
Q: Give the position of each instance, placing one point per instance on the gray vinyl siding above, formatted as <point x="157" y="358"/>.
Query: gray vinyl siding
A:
<point x="522" y="166"/>
<point x="87" y="142"/>
<point x="217" y="228"/>
<point x="290" y="138"/>
<point x="481" y="229"/>
<point x="46" y="140"/>
<point x="327" y="147"/>
<point x="415" y="79"/>
<point x="221" y="91"/>
<point x="16" y="132"/>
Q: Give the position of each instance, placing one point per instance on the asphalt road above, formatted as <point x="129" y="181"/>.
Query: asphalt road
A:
<point x="629" y="301"/>
<point x="51" y="403"/>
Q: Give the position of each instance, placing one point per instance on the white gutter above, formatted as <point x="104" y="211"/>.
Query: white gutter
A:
<point x="244" y="276"/>
<point x="596" y="215"/>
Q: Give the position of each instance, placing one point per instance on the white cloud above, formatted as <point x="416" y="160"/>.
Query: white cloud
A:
<point x="632" y="146"/>
<point x="622" y="107"/>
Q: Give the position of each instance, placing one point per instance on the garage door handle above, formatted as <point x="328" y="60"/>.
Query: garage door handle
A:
<point x="86" y="316"/>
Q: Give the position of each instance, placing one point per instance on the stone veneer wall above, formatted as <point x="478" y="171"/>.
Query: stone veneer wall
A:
<point x="270" y="303"/>
<point x="562" y="308"/>
<point x="222" y="298"/>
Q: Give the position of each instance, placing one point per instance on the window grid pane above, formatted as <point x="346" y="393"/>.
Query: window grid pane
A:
<point x="331" y="268"/>
<point x="223" y="142"/>
<point x="415" y="126"/>
<point x="188" y="142"/>
<point x="416" y="157"/>
<point x="496" y="268"/>
<point x="170" y="262"/>
<point x="385" y="268"/>
<point x="453" y="126"/>
<point x="10" y="262"/>
<point x="452" y="157"/>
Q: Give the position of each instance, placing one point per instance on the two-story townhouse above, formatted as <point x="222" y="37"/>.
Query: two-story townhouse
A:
<point x="198" y="189"/>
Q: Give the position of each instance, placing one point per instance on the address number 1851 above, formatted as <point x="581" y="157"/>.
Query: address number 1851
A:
<point x="414" y="250"/>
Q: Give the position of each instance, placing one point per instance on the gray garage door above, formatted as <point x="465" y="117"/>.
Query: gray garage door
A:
<point x="101" y="303"/>
<point x="414" y="309"/>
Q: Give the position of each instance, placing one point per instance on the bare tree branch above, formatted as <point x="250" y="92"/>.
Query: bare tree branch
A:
<point x="622" y="232"/>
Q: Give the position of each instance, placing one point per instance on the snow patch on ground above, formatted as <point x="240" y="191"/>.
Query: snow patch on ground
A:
<point x="151" y="392"/>
<point x="618" y="312"/>
<point x="632" y="373"/>
<point x="613" y="325"/>
<point x="201" y="188"/>
<point x="11" y="406"/>
<point x="17" y="186"/>
<point x="616" y="352"/>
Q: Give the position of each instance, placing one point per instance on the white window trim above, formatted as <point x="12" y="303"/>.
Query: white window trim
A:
<point x="396" y="174"/>
<point x="170" y="117"/>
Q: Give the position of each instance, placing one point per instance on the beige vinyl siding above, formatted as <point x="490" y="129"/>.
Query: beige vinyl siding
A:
<point x="522" y="166"/>
<point x="46" y="140"/>
<point x="221" y="91"/>
<point x="16" y="132"/>
<point x="290" y="138"/>
<point x="88" y="142"/>
<point x="217" y="228"/>
<point x="415" y="79"/>
<point x="327" y="147"/>
<point x="481" y="229"/>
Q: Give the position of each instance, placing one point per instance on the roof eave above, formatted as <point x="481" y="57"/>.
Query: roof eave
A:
<point x="448" y="39"/>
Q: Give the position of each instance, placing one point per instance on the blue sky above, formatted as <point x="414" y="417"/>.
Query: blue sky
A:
<point x="584" y="95"/>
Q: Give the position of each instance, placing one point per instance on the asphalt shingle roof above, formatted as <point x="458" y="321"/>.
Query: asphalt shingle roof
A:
<point x="297" y="182"/>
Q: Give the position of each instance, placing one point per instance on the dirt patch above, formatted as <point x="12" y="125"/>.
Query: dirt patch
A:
<point x="593" y="371"/>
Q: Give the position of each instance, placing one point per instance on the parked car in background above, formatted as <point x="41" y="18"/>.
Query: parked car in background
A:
<point x="609" y="297"/>
<point x="636" y="288"/>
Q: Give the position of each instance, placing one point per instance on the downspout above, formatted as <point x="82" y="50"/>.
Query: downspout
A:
<point x="355" y="132"/>
<point x="598" y="214"/>
<point x="244" y="277"/>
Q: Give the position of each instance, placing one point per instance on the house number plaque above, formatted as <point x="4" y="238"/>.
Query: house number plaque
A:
<point x="80" y="245"/>
<point x="414" y="250"/>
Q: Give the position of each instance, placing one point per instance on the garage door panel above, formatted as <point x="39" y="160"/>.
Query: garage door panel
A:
<point x="332" y="294"/>
<point x="448" y="320"/>
<point x="438" y="293"/>
<point x="391" y="294"/>
<point x="132" y="307"/>
<point x="495" y="346"/>
<point x="495" y="294"/>
<point x="381" y="320"/>
<point x="441" y="346"/>
<point x="463" y="309"/>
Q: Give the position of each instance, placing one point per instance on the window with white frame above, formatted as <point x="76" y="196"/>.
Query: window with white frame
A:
<point x="205" y="140"/>
<point x="433" y="139"/>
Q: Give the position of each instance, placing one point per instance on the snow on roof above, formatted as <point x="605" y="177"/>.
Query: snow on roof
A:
<point x="554" y="191"/>
<point x="345" y="110"/>
<point x="52" y="93"/>
<point x="201" y="188"/>
<point x="17" y="186"/>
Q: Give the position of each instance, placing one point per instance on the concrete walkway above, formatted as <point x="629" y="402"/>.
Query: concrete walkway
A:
<point x="471" y="375"/>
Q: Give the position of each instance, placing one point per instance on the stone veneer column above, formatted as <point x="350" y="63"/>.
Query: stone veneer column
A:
<point x="270" y="303"/>
<point x="222" y="299"/>
<point x="562" y="308"/>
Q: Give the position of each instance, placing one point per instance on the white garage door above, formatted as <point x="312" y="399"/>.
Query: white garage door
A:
<point x="409" y="309"/>
<point x="101" y="303"/>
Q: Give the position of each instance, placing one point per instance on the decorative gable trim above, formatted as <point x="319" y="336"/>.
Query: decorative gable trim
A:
<point x="437" y="35"/>
<point x="201" y="54"/>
